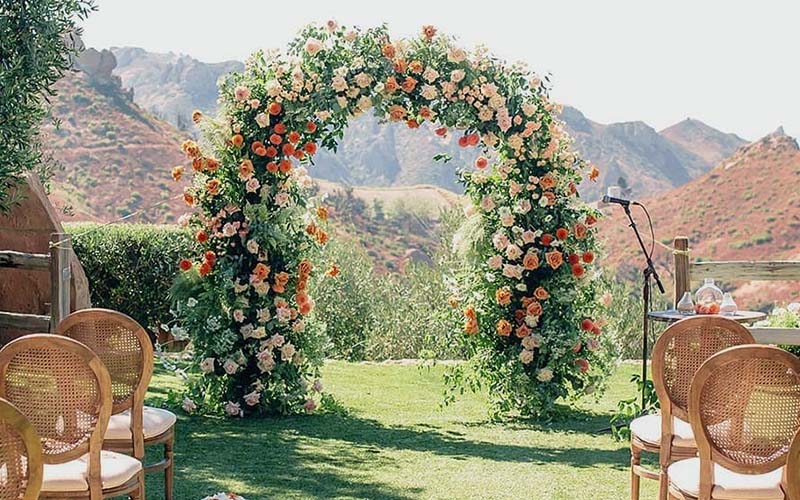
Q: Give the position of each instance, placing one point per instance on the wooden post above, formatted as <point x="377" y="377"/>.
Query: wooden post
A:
<point x="60" y="278"/>
<point x="681" y="260"/>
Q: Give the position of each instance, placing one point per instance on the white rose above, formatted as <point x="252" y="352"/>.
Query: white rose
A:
<point x="287" y="351"/>
<point x="457" y="75"/>
<point x="207" y="365"/>
<point x="188" y="405"/>
<point x="544" y="375"/>
<point x="233" y="409"/>
<point x="487" y="203"/>
<point x="526" y="356"/>
<point x="262" y="119"/>
<point x="230" y="367"/>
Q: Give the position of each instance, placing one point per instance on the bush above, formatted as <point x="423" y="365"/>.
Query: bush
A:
<point x="131" y="267"/>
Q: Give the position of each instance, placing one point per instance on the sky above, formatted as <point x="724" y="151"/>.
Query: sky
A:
<point x="731" y="64"/>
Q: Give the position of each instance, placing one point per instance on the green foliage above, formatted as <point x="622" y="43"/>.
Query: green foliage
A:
<point x="36" y="46"/>
<point x="370" y="316"/>
<point x="786" y="317"/>
<point x="131" y="267"/>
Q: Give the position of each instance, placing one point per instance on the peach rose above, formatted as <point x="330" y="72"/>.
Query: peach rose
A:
<point x="554" y="259"/>
<point x="541" y="294"/>
<point x="503" y="296"/>
<point x="534" y="308"/>
<point x="530" y="261"/>
<point x="503" y="328"/>
<point x="580" y="231"/>
<point x="397" y="112"/>
<point x="548" y="181"/>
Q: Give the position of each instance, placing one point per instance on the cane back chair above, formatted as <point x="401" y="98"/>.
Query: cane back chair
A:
<point x="20" y="456"/>
<point x="791" y="476"/>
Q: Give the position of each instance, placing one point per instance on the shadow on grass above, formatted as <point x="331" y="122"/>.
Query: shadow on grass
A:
<point x="330" y="455"/>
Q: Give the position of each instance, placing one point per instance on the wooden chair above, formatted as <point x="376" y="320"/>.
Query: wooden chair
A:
<point x="677" y="355"/>
<point x="20" y="455"/>
<point x="64" y="390"/>
<point x="125" y="349"/>
<point x="791" y="476"/>
<point x="744" y="407"/>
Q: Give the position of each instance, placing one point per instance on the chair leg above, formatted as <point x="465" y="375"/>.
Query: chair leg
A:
<point x="170" y="470"/>
<point x="138" y="493"/>
<point x="636" y="459"/>
<point x="663" y="484"/>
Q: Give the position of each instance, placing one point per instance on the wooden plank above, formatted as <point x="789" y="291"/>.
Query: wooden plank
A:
<point x="769" y="335"/>
<point x="60" y="278"/>
<point x="10" y="258"/>
<point x="774" y="270"/>
<point x="30" y="322"/>
<point x="681" y="259"/>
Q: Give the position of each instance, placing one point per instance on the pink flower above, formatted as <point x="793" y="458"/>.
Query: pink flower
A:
<point x="233" y="409"/>
<point x="528" y="237"/>
<point x="512" y="271"/>
<point x="252" y="398"/>
<point x="313" y="46"/>
<point x="317" y="387"/>
<point x="252" y="185"/>
<point x="207" y="365"/>
<point x="495" y="262"/>
<point x="310" y="405"/>
<point x="241" y="93"/>
<point x="513" y="252"/>
<point x="238" y="315"/>
<point x="287" y="351"/>
<point x="500" y="241"/>
<point x="262" y="119"/>
<point x="230" y="367"/>
<point x="281" y="199"/>
<point x="188" y="405"/>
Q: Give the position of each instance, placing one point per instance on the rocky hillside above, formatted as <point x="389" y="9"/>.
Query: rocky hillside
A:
<point x="746" y="208"/>
<point x="115" y="156"/>
<point x="171" y="85"/>
<point x="375" y="154"/>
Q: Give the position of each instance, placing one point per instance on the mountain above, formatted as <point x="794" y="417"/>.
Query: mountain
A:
<point x="740" y="210"/>
<point x="706" y="142"/>
<point x="376" y="154"/>
<point x="115" y="156"/>
<point x="641" y="160"/>
<point x="171" y="85"/>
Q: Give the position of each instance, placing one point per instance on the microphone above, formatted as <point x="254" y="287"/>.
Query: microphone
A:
<point x="613" y="195"/>
<point x="618" y="201"/>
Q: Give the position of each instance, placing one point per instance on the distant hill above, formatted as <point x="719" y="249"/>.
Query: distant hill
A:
<point x="746" y="208"/>
<point x="171" y="85"/>
<point x="376" y="154"/>
<point x="115" y="156"/>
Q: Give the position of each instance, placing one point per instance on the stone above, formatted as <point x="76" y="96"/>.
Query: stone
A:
<point x="27" y="228"/>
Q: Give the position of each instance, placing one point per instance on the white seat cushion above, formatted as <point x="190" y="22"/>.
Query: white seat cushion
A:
<point x="155" y="421"/>
<point x="116" y="469"/>
<point x="648" y="429"/>
<point x="728" y="485"/>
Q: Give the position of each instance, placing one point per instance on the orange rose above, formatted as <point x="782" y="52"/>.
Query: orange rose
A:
<point x="310" y="148"/>
<point x="534" y="308"/>
<point x="594" y="174"/>
<point x="428" y="31"/>
<point x="272" y="167"/>
<point x="212" y="186"/>
<point x="275" y="139"/>
<point x="412" y="124"/>
<point x="409" y="84"/>
<point x="471" y="322"/>
<point x="306" y="308"/>
<point x="503" y="328"/>
<point x="541" y="294"/>
<point x="503" y="296"/>
<point x="293" y="137"/>
<point x="271" y="151"/>
<point x="425" y="112"/>
<point x="279" y="128"/>
<point x="205" y="268"/>
<point x="197" y="164"/>
<point x="190" y="148"/>
<point x="588" y="257"/>
<point x="554" y="259"/>
<point x="301" y="285"/>
<point x="322" y="213"/>
<point x="580" y="231"/>
<point x="389" y="51"/>
<point x="415" y="66"/>
<point x="237" y="140"/>
<point x="548" y="181"/>
<point x="523" y="331"/>
<point x="530" y="261"/>
<point x="400" y="66"/>
<point x="246" y="169"/>
<point x="285" y="166"/>
<point x="322" y="237"/>
<point x="288" y="149"/>
<point x="177" y="172"/>
<point x="301" y="298"/>
<point x="311" y="127"/>
<point x="397" y="112"/>
<point x="332" y="271"/>
<point x="188" y="199"/>
<point x="197" y="116"/>
<point x="591" y="220"/>
<point x="212" y="164"/>
<point x="562" y="233"/>
<point x="578" y="270"/>
<point x="275" y="108"/>
<point x="391" y="85"/>
<point x="304" y="269"/>
<point x="550" y="196"/>
<point x="261" y="271"/>
<point x="311" y="228"/>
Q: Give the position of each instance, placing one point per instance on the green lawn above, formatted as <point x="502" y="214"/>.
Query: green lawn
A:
<point x="396" y="443"/>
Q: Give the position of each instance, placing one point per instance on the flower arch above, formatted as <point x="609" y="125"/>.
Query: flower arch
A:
<point x="528" y="296"/>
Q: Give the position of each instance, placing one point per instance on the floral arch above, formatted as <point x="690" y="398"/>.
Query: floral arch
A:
<point x="530" y="326"/>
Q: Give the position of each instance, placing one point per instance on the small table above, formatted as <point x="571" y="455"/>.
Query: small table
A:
<point x="672" y="315"/>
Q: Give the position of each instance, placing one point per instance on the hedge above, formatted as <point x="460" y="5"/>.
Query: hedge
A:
<point x="131" y="267"/>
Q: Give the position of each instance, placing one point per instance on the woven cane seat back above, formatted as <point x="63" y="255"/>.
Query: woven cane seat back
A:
<point x="793" y="469"/>
<point x="121" y="343"/>
<point x="57" y="383"/>
<point x="683" y="348"/>
<point x="746" y="403"/>
<point x="20" y="456"/>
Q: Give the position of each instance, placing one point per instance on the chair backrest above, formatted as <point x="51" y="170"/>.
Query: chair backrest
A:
<point x="123" y="346"/>
<point x="21" y="465"/>
<point x="744" y="407"/>
<point x="682" y="349"/>
<point x="64" y="390"/>
<point x="792" y="475"/>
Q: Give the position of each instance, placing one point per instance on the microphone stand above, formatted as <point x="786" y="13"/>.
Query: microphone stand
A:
<point x="649" y="274"/>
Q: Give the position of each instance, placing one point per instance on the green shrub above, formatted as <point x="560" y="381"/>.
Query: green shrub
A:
<point x="131" y="267"/>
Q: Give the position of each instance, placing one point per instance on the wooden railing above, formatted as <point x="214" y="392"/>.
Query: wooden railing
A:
<point x="57" y="263"/>
<point x="689" y="273"/>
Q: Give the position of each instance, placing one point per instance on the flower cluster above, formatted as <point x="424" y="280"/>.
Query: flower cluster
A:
<point x="528" y="303"/>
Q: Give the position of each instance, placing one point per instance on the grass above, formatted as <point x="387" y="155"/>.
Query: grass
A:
<point x="394" y="442"/>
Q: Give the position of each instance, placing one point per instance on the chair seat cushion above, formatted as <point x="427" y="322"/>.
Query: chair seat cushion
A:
<point x="728" y="485"/>
<point x="648" y="429"/>
<point x="116" y="469"/>
<point x="155" y="421"/>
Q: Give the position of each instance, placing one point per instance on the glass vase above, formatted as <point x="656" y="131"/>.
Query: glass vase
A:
<point x="708" y="298"/>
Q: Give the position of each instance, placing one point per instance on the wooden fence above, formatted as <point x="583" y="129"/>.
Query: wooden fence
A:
<point x="57" y="263"/>
<point x="689" y="273"/>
